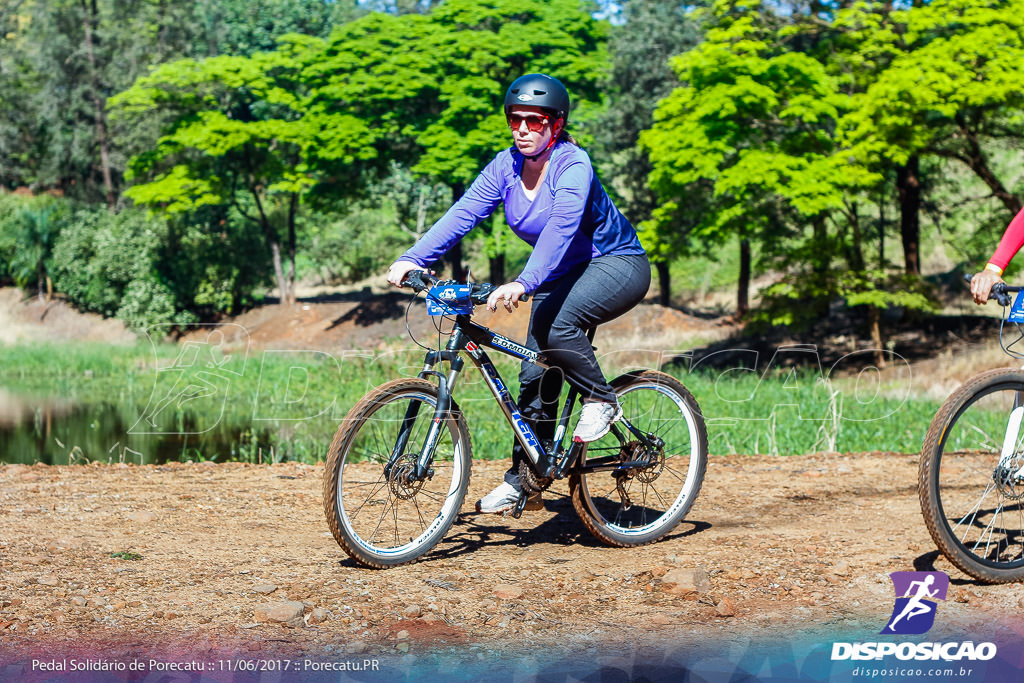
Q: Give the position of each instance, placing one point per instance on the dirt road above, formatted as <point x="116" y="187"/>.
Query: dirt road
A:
<point x="210" y="555"/>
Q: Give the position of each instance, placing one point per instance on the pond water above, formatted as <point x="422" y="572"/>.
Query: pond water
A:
<point x="59" y="432"/>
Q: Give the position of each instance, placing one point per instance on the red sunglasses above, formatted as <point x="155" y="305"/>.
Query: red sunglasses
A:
<point x="534" y="123"/>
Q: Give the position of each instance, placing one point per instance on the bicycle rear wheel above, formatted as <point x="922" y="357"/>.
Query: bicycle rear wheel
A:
<point x="379" y="517"/>
<point x="658" y="496"/>
<point x="971" y="477"/>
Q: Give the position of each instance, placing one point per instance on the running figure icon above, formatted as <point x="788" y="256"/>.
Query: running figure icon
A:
<point x="916" y="596"/>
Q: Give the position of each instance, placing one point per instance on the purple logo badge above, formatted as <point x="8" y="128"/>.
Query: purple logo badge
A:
<point x="917" y="594"/>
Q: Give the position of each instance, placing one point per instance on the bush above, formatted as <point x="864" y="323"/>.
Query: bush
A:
<point x="109" y="263"/>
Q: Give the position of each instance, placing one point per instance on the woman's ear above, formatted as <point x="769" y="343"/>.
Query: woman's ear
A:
<point x="558" y="127"/>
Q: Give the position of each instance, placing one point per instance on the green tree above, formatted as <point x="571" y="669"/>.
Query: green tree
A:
<point x="652" y="31"/>
<point x="27" y="240"/>
<point x="944" y="82"/>
<point x="430" y="87"/>
<point x="242" y="133"/>
<point x="752" y="120"/>
<point x="63" y="58"/>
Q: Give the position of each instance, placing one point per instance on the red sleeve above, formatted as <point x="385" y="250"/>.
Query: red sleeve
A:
<point x="1013" y="240"/>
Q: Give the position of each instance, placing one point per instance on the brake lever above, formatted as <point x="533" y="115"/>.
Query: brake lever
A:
<point x="417" y="279"/>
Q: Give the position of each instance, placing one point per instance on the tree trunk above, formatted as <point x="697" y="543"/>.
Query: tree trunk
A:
<point x="743" y="287"/>
<point x="274" y="243"/>
<point x="292" y="209"/>
<point x="664" y="283"/>
<point x="41" y="279"/>
<point x="282" y="284"/>
<point x="908" y="186"/>
<point x="977" y="161"/>
<point x="876" y="336"/>
<point x="89" y="14"/>
<point x="881" y="233"/>
<point x="497" y="265"/>
<point x="857" y="250"/>
<point x="822" y="259"/>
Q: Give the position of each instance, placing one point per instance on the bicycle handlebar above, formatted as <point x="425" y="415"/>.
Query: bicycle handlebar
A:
<point x="421" y="281"/>
<point x="1000" y="290"/>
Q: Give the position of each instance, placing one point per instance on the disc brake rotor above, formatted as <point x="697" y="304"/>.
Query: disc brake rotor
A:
<point x="1008" y="478"/>
<point x="400" y="482"/>
<point x="650" y="473"/>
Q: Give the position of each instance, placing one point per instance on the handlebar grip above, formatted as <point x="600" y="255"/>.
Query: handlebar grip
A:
<point x="419" y="280"/>
<point x="483" y="291"/>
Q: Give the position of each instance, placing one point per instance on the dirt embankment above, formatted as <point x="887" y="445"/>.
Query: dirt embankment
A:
<point x="30" y="320"/>
<point x="238" y="558"/>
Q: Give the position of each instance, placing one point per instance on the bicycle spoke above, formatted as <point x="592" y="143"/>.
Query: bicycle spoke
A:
<point x="383" y="484"/>
<point x="657" y="409"/>
<point x="383" y="514"/>
<point x="672" y="471"/>
<point x="409" y="507"/>
<point x="437" y="497"/>
<point x="988" y="531"/>
<point x="419" y="513"/>
<point x="973" y="514"/>
<point x="968" y="495"/>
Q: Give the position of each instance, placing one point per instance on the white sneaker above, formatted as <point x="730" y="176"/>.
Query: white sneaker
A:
<point x="504" y="498"/>
<point x="596" y="420"/>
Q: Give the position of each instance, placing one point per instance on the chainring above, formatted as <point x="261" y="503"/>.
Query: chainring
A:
<point x="530" y="481"/>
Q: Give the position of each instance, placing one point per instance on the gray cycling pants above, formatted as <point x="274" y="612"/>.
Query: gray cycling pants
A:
<point x="593" y="293"/>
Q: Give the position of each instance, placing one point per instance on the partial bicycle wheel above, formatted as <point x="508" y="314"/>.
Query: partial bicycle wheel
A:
<point x="377" y="514"/>
<point x="640" y="506"/>
<point x="971" y="477"/>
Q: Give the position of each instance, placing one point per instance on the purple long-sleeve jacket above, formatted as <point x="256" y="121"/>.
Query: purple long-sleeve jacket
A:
<point x="570" y="220"/>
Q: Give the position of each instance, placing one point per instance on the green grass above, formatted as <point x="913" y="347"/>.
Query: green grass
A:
<point x="277" y="405"/>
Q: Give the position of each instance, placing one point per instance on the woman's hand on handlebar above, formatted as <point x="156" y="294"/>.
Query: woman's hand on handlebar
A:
<point x="981" y="285"/>
<point x="508" y="295"/>
<point x="399" y="269"/>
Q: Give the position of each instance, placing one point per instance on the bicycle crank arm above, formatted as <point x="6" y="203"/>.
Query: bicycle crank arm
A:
<point x="517" y="511"/>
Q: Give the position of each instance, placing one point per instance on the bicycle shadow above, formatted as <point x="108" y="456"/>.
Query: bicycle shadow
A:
<point x="926" y="563"/>
<point x="474" y="531"/>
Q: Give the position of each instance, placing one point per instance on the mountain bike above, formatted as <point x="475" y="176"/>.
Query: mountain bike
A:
<point x="398" y="469"/>
<point x="971" y="476"/>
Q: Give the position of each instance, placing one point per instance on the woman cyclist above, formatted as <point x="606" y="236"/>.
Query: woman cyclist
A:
<point x="587" y="266"/>
<point x="1009" y="245"/>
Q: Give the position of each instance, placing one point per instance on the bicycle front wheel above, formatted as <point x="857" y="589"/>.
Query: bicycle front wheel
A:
<point x="377" y="514"/>
<point x="642" y="505"/>
<point x="971" y="477"/>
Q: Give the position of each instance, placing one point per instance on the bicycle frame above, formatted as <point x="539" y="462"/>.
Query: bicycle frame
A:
<point x="471" y="337"/>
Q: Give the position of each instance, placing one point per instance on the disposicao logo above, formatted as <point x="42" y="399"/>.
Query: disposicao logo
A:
<point x="917" y="594"/>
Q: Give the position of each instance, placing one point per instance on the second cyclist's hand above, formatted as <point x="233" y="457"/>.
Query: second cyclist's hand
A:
<point x="506" y="295"/>
<point x="981" y="285"/>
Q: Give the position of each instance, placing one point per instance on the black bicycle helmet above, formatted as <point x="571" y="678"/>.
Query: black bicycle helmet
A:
<point x="539" y="90"/>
